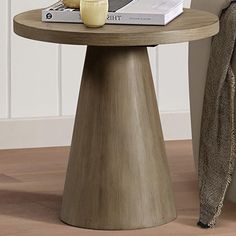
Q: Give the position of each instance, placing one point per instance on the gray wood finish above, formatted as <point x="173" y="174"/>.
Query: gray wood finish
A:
<point x="191" y="25"/>
<point x="117" y="176"/>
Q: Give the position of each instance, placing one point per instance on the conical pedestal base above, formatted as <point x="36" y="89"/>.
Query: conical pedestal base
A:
<point x="118" y="176"/>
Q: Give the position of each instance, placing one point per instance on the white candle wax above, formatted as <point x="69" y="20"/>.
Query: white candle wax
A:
<point x="94" y="12"/>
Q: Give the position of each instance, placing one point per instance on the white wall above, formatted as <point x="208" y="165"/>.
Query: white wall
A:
<point x="39" y="85"/>
<point x="4" y="49"/>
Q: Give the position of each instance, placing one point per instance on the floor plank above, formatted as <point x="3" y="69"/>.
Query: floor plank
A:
<point x="31" y="185"/>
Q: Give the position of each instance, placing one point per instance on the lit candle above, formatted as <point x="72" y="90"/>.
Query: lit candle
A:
<point x="94" y="12"/>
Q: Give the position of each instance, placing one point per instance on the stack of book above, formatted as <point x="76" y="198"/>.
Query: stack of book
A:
<point x="132" y="12"/>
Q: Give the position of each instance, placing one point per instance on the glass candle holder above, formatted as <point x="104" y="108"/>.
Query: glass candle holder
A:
<point x="94" y="12"/>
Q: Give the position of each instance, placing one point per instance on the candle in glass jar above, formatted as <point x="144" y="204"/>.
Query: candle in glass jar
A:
<point x="94" y="12"/>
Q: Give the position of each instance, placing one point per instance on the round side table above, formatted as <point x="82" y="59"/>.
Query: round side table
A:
<point x="118" y="175"/>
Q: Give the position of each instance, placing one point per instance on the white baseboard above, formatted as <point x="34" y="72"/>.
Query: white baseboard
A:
<point x="176" y="125"/>
<point x="57" y="131"/>
<point x="32" y="133"/>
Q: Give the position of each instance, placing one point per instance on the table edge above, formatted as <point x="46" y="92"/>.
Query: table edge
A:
<point x="87" y="39"/>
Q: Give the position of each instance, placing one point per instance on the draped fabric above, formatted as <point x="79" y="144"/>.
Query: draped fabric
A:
<point x="217" y="143"/>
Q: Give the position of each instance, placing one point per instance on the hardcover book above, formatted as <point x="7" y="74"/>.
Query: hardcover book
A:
<point x="133" y="12"/>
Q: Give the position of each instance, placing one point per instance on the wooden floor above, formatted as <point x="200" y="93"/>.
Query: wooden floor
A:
<point x="31" y="184"/>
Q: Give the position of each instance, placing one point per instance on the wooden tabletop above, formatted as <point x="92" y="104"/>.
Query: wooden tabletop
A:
<point x="191" y="25"/>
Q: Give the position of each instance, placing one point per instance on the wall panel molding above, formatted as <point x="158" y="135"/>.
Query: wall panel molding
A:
<point x="60" y="89"/>
<point x="4" y="49"/>
<point x="42" y="80"/>
<point x="173" y="77"/>
<point x="34" y="71"/>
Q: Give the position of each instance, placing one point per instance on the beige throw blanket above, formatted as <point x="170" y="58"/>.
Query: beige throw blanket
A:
<point x="217" y="145"/>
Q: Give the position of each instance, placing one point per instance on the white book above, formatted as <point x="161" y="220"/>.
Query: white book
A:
<point x="133" y="12"/>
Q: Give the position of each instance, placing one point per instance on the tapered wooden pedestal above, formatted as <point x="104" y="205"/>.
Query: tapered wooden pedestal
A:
<point x="117" y="176"/>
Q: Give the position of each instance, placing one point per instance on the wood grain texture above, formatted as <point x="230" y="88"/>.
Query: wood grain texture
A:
<point x="30" y="206"/>
<point x="191" y="25"/>
<point x="118" y="176"/>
